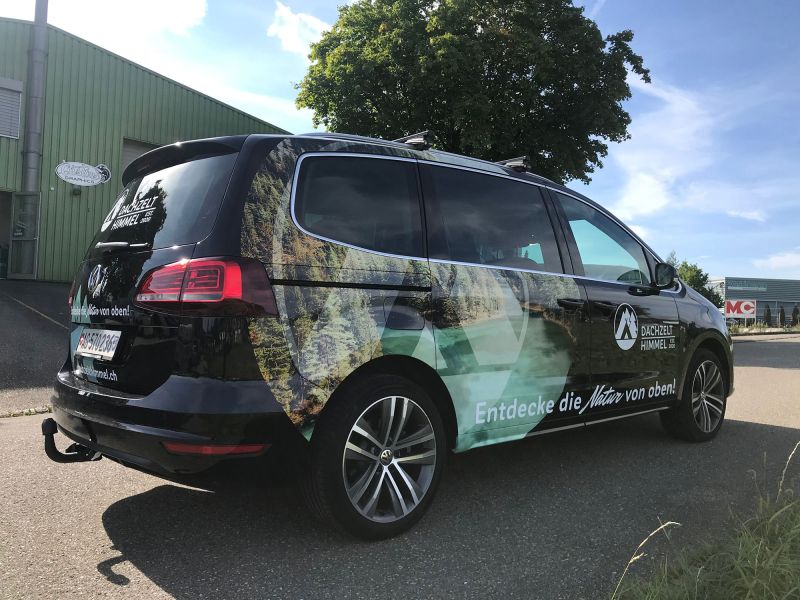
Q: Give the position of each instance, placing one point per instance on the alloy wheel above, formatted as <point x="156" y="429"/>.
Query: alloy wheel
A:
<point x="389" y="459"/>
<point x="708" y="396"/>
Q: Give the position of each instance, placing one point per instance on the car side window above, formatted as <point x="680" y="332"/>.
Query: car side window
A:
<point x="606" y="250"/>
<point x="487" y="220"/>
<point x="372" y="203"/>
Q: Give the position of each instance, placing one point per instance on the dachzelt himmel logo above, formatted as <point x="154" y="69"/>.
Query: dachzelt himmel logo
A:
<point x="626" y="326"/>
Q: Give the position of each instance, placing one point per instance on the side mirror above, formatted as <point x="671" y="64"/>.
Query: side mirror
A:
<point x="665" y="275"/>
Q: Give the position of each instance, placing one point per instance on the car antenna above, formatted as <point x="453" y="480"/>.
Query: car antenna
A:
<point x="419" y="141"/>
<point x="519" y="164"/>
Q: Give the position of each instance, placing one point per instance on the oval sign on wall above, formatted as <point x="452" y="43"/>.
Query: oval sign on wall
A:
<point x="78" y="173"/>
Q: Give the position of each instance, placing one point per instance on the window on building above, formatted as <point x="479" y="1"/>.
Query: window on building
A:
<point x="486" y="220"/>
<point x="606" y="250"/>
<point x="371" y="203"/>
<point x="10" y="106"/>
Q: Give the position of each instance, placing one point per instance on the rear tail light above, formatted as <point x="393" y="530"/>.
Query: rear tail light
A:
<point x="203" y="286"/>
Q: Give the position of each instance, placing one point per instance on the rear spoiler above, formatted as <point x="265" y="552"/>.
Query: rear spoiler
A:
<point x="180" y="152"/>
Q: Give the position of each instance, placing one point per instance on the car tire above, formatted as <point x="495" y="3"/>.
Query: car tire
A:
<point x="699" y="415"/>
<point x="377" y="455"/>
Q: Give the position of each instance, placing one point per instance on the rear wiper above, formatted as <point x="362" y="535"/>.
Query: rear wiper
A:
<point x="109" y="246"/>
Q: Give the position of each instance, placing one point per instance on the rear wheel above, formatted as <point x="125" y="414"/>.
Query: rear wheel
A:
<point x="377" y="457"/>
<point x="699" y="415"/>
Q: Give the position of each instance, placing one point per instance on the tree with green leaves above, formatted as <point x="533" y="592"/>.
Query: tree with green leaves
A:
<point x="768" y="316"/>
<point x="493" y="79"/>
<point x="795" y="316"/>
<point x="782" y="317"/>
<point x="696" y="278"/>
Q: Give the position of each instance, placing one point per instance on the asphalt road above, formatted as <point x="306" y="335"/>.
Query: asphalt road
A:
<point x="33" y="342"/>
<point x="550" y="517"/>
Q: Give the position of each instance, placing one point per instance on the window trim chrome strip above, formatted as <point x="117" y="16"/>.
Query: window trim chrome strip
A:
<point x="634" y="414"/>
<point x="305" y="155"/>
<point x="595" y="421"/>
<point x="442" y="261"/>
<point x="554" y="429"/>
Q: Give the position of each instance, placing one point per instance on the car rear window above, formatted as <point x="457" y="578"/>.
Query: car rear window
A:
<point x="371" y="203"/>
<point x="171" y="207"/>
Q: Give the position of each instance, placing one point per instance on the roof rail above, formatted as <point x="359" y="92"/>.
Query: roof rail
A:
<point x="519" y="164"/>
<point x="420" y="141"/>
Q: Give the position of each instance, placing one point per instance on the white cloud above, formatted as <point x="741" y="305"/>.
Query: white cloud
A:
<point x="678" y="142"/>
<point x="643" y="193"/>
<point x="126" y="28"/>
<point x="667" y="144"/>
<point x="17" y="9"/>
<point x="642" y="232"/>
<point x="746" y="199"/>
<point x="280" y="111"/>
<point x="596" y="8"/>
<point x="750" y="215"/>
<point x="787" y="262"/>
<point x="153" y="33"/>
<point x="110" y="20"/>
<point x="296" y="31"/>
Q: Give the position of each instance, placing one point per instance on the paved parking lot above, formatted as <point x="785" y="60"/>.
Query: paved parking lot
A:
<point x="33" y="324"/>
<point x="550" y="517"/>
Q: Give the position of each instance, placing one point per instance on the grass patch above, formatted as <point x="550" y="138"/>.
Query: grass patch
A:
<point x="759" y="560"/>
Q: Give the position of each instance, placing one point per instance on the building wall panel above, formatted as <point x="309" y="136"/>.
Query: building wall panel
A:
<point x="13" y="65"/>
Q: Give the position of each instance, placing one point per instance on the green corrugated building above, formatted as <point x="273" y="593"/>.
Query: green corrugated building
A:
<point x="98" y="108"/>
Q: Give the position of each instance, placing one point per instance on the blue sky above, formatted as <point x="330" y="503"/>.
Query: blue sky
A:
<point x="711" y="168"/>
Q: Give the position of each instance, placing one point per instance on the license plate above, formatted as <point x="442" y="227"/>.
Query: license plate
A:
<point x="98" y="343"/>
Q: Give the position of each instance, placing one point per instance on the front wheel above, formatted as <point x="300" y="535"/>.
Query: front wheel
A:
<point x="699" y="415"/>
<point x="377" y="457"/>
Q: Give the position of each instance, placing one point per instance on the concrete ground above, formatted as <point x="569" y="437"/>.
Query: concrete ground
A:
<point x="33" y="342"/>
<point x="549" y="517"/>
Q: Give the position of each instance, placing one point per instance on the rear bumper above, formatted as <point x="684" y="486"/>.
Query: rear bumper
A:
<point x="133" y="430"/>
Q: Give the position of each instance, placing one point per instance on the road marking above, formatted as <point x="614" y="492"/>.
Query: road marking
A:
<point x="41" y="314"/>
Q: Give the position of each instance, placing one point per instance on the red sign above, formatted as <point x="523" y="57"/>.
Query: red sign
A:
<point x="740" y="309"/>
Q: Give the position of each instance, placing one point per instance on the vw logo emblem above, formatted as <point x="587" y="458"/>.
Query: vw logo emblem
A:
<point x="386" y="457"/>
<point x="97" y="281"/>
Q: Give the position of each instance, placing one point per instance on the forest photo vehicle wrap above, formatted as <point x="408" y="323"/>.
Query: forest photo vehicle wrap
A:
<point x="322" y="271"/>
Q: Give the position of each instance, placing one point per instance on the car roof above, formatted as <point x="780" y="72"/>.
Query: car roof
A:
<point x="440" y="155"/>
<point x="448" y="158"/>
<point x="173" y="153"/>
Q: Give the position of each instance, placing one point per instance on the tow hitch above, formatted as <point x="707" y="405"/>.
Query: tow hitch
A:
<point x="74" y="453"/>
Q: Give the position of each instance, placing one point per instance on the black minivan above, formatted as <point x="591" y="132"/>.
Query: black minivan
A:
<point x="359" y="308"/>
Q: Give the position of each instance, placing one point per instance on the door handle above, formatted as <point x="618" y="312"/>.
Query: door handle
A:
<point x="637" y="290"/>
<point x="571" y="303"/>
<point x="604" y="307"/>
